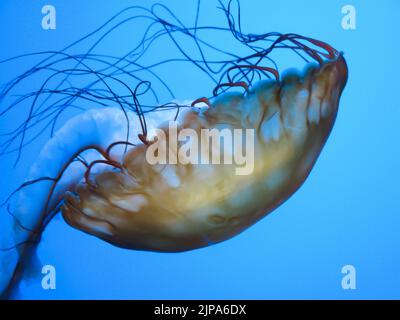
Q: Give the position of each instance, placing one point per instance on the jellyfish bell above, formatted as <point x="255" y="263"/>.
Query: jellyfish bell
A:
<point x="179" y="207"/>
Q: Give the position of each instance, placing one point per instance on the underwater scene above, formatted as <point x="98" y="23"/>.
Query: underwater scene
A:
<point x="197" y="149"/>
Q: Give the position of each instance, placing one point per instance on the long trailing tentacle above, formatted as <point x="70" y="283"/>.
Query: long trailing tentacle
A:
<point x="55" y="180"/>
<point x="161" y="22"/>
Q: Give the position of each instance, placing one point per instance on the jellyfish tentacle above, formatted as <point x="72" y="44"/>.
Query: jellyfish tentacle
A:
<point x="256" y="67"/>
<point x="201" y="100"/>
<point x="19" y="223"/>
<point x="230" y="84"/>
<point x="116" y="143"/>
<point x="92" y="164"/>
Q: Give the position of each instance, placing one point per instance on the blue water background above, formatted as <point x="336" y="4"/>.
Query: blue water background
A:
<point x="347" y="212"/>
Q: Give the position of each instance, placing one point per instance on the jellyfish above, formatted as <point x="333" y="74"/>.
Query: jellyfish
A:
<point x="94" y="168"/>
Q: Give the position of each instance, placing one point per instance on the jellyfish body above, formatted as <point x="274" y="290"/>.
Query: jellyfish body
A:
<point x="122" y="198"/>
<point x="178" y="207"/>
